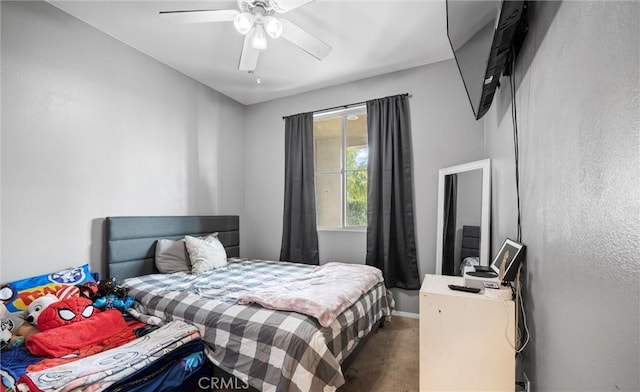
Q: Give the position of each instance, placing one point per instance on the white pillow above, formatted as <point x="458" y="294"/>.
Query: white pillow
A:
<point x="171" y="256"/>
<point x="205" y="254"/>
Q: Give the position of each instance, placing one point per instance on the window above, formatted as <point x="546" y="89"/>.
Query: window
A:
<point x="340" y="156"/>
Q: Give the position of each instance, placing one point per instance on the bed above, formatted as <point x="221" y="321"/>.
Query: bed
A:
<point x="268" y="350"/>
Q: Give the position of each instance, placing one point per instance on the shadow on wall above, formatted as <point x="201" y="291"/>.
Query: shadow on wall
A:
<point x="528" y="51"/>
<point x="528" y="361"/>
<point x="98" y="249"/>
<point x="202" y="166"/>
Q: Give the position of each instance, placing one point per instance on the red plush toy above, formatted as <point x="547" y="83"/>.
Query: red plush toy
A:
<point x="70" y="324"/>
<point x="65" y="312"/>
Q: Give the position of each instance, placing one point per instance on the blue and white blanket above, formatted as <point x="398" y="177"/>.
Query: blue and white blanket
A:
<point x="99" y="371"/>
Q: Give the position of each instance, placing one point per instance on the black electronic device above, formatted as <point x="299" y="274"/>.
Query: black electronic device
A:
<point x="464" y="288"/>
<point x="483" y="274"/>
<point x="484" y="35"/>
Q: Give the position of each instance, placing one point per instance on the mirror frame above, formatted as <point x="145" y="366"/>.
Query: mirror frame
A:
<point x="485" y="166"/>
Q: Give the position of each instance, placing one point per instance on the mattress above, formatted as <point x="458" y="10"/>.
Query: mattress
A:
<point x="270" y="350"/>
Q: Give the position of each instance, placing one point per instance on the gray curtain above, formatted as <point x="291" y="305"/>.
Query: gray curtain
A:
<point x="299" y="233"/>
<point x="391" y="244"/>
<point x="449" y="229"/>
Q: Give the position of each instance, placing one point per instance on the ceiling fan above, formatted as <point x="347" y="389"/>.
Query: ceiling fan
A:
<point x="256" y="19"/>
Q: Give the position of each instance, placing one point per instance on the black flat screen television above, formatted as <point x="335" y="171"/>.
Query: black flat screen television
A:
<point x="483" y="36"/>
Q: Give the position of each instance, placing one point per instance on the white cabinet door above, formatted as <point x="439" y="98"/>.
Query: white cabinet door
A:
<point x="466" y="339"/>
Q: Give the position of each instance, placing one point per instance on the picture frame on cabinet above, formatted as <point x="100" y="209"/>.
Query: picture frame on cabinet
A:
<point x="508" y="259"/>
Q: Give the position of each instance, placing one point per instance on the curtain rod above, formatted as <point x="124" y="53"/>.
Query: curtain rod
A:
<point x="348" y="106"/>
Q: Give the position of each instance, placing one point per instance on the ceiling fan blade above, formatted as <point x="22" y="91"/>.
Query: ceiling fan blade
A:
<point x="200" y="16"/>
<point x="304" y="40"/>
<point x="282" y="6"/>
<point x="249" y="56"/>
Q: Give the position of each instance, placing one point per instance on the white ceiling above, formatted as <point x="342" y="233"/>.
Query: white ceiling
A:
<point x="368" y="38"/>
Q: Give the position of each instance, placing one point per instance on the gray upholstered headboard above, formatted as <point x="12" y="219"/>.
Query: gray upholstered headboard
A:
<point x="131" y="240"/>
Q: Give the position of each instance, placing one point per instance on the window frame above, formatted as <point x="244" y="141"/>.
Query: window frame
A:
<point x="344" y="113"/>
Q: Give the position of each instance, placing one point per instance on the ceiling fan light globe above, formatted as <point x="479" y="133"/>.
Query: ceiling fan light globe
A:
<point x="259" y="39"/>
<point x="273" y="27"/>
<point x="243" y="22"/>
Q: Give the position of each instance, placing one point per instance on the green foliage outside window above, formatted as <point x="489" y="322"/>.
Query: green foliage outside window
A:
<point x="356" y="213"/>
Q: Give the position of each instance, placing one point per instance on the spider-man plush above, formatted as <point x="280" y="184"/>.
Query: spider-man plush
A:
<point x="68" y="311"/>
<point x="71" y="324"/>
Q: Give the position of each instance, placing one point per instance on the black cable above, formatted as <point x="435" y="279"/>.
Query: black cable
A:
<point x="514" y="117"/>
<point x="522" y="328"/>
<point x="523" y="332"/>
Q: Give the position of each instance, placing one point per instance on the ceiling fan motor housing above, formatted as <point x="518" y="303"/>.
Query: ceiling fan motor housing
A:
<point x="256" y="7"/>
<point x="257" y="15"/>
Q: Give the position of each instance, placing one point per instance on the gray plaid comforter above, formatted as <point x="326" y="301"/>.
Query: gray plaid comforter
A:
<point x="268" y="349"/>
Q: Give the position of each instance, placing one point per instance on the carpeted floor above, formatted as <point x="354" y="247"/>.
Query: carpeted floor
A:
<point x="389" y="360"/>
<point x="387" y="363"/>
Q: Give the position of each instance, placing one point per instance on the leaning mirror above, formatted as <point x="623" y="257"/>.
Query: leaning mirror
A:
<point x="464" y="200"/>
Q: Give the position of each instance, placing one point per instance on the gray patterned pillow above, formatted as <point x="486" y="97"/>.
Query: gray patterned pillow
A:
<point x="171" y="256"/>
<point x="205" y="254"/>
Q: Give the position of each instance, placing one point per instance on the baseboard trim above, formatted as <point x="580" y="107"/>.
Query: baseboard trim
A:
<point x="405" y="314"/>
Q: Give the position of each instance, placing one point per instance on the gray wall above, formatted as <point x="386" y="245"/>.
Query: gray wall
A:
<point x="93" y="128"/>
<point x="444" y="134"/>
<point x="578" y="107"/>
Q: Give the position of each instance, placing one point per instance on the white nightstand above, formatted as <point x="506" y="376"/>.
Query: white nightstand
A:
<point x="466" y="339"/>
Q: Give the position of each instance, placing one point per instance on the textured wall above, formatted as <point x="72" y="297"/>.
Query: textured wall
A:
<point x="578" y="107"/>
<point x="93" y="128"/>
<point x="444" y="134"/>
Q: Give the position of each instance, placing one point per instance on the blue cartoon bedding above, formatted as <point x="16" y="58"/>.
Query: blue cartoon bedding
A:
<point x="161" y="360"/>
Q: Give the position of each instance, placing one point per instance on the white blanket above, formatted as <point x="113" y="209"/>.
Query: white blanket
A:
<point x="324" y="293"/>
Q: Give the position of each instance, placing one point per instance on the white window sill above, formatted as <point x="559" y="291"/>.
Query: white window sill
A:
<point x="347" y="230"/>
